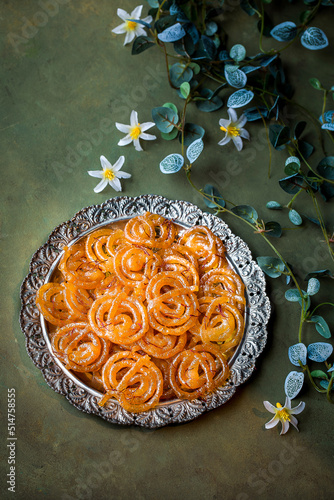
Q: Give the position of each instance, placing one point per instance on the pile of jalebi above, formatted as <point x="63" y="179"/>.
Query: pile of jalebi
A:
<point x="145" y="312"/>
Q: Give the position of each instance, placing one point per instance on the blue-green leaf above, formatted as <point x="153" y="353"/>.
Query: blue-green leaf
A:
<point x="325" y="384"/>
<point x="319" y="351"/>
<point x="291" y="184"/>
<point x="328" y="117"/>
<point x="313" y="286"/>
<point x="279" y="135"/>
<point x="246" y="212"/>
<point x="295" y="218"/>
<point x="297" y="352"/>
<point x="305" y="148"/>
<point x="299" y="129"/>
<point x="293" y="384"/>
<point x="170" y="105"/>
<point x="172" y="33"/>
<point x="284" y="32"/>
<point x="185" y="89"/>
<point x="256" y="113"/>
<point x="319" y="374"/>
<point x="180" y="73"/>
<point x="274" y="205"/>
<point x="210" y="103"/>
<point x="140" y="44"/>
<point x="235" y="77"/>
<point x="272" y="266"/>
<point x="171" y="135"/>
<point x="292" y="295"/>
<point x="211" y="28"/>
<point x="273" y="229"/>
<point x="164" y="118"/>
<point x="319" y="274"/>
<point x="240" y="98"/>
<point x="194" y="150"/>
<point x="328" y="126"/>
<point x="292" y="165"/>
<point x="238" y="52"/>
<point x="215" y="194"/>
<point x="171" y="164"/>
<point x="248" y="6"/>
<point x="321" y="326"/>
<point x="315" y="83"/>
<point x="314" y="39"/>
<point x="326" y="167"/>
<point x="192" y="132"/>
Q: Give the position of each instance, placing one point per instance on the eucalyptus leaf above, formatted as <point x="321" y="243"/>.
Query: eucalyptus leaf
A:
<point x="321" y="326"/>
<point x="319" y="374"/>
<point x="180" y="73"/>
<point x="194" y="150"/>
<point x="274" y="205"/>
<point x="315" y="83"/>
<point x="140" y="44"/>
<point x="284" y="32"/>
<point x="273" y="229"/>
<point x="295" y="218"/>
<point x="164" y="118"/>
<point x="249" y="6"/>
<point x="291" y="184"/>
<point x="256" y="113"/>
<point x="185" y="89"/>
<point x="213" y="192"/>
<point x="272" y="266"/>
<point x="165" y="22"/>
<point x="171" y="164"/>
<point x="292" y="165"/>
<point x="210" y="103"/>
<point x="324" y="384"/>
<point x="238" y="52"/>
<point x="278" y="135"/>
<point x="211" y="28"/>
<point x="314" y="39"/>
<point x="170" y="105"/>
<point x="293" y="384"/>
<point x="292" y="295"/>
<point x="245" y="212"/>
<point x="299" y="129"/>
<point x="171" y="135"/>
<point x="320" y="274"/>
<point x="305" y="148"/>
<point x="326" y="167"/>
<point x="240" y="98"/>
<point x="319" y="351"/>
<point x="313" y="286"/>
<point x="297" y="352"/>
<point x="235" y="77"/>
<point x="172" y="33"/>
<point x="192" y="132"/>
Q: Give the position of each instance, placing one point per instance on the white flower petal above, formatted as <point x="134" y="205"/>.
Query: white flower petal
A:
<point x="294" y="422"/>
<point x="119" y="30"/>
<point x="146" y="125"/>
<point x="122" y="175"/>
<point x="237" y="142"/>
<point x="136" y="13"/>
<point x="134" y="119"/>
<point x="126" y="140"/>
<point x="116" y="184"/>
<point x="287" y="403"/>
<point x="122" y="127"/>
<point x="232" y="114"/>
<point x="268" y="406"/>
<point x="96" y="173"/>
<point x="224" y="123"/>
<point x="105" y="163"/>
<point x="298" y="409"/>
<point x="285" y="427"/>
<point x="101" y="185"/>
<point x="137" y="145"/>
<point x="123" y="14"/>
<point x="244" y="133"/>
<point x="119" y="164"/>
<point x="274" y="421"/>
<point x="140" y="31"/>
<point x="129" y="37"/>
<point x="224" y="141"/>
<point x="241" y="121"/>
<point x="147" y="137"/>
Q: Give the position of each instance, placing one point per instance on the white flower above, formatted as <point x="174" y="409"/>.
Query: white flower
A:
<point x="129" y="27"/>
<point x="233" y="129"/>
<point x="283" y="414"/>
<point x="135" y="131"/>
<point x="110" y="174"/>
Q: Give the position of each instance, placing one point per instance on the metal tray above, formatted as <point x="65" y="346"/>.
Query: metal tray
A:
<point x="45" y="261"/>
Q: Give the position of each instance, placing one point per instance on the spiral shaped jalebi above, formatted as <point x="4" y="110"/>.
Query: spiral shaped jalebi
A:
<point x="145" y="311"/>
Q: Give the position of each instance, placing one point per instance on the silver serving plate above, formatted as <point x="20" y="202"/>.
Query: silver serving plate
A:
<point x="45" y="261"/>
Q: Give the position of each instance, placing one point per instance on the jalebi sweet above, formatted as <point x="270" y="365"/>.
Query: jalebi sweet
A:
<point x="145" y="312"/>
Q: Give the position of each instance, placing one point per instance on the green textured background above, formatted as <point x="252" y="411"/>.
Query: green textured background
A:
<point x="63" y="87"/>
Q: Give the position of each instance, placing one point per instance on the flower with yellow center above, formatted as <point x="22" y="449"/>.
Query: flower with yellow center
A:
<point x="283" y="414"/>
<point x="129" y="26"/>
<point x="110" y="174"/>
<point x="233" y="129"/>
<point x="135" y="131"/>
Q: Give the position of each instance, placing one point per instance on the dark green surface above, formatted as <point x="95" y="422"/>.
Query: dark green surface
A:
<point x="57" y="89"/>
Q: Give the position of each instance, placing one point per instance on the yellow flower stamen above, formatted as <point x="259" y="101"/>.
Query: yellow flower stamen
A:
<point x="109" y="174"/>
<point x="231" y="130"/>
<point x="131" y="25"/>
<point x="135" y="132"/>
<point x="282" y="413"/>
<point x="223" y="129"/>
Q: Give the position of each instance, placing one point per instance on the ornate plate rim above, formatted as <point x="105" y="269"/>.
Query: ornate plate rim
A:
<point x="242" y="363"/>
